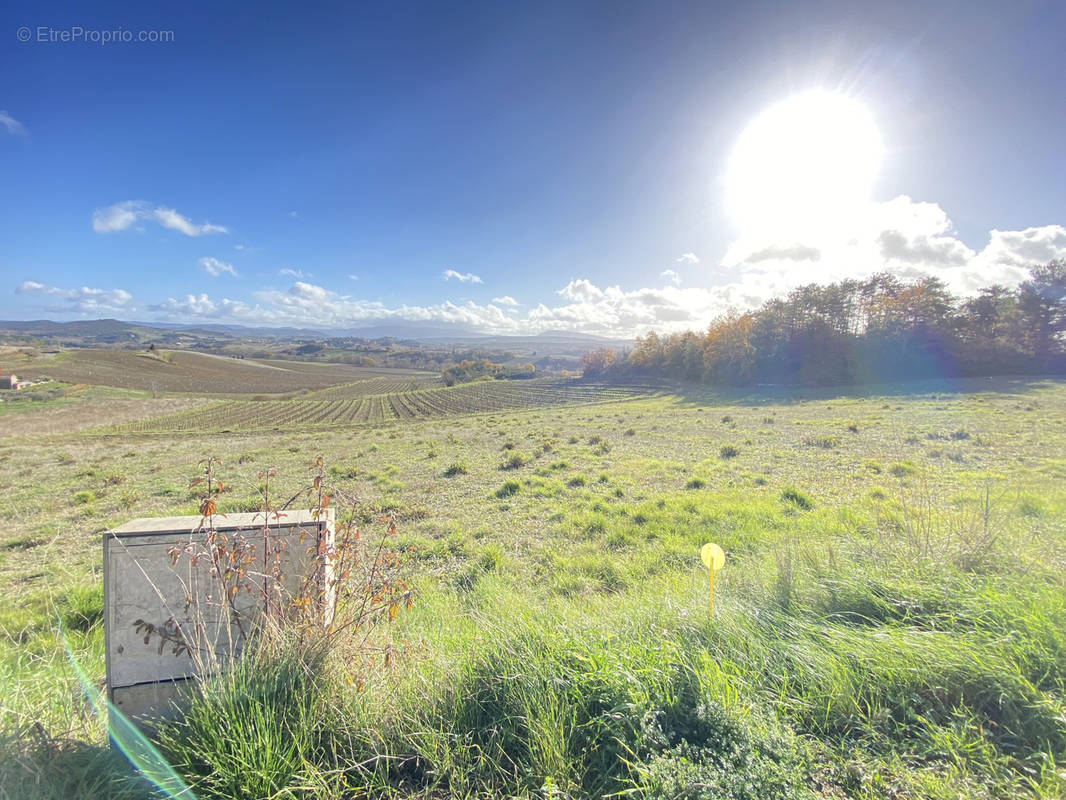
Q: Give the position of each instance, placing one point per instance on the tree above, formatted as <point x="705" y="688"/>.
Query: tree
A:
<point x="596" y="362"/>
<point x="1042" y="303"/>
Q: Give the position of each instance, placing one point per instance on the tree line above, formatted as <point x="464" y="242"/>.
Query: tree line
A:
<point x="879" y="329"/>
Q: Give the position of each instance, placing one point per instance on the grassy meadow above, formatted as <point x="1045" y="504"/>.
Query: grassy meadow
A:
<point x="890" y="622"/>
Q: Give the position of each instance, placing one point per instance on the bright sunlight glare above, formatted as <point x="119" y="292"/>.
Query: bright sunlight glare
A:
<point x="804" y="165"/>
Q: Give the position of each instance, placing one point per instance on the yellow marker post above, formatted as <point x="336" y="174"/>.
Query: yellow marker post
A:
<point x="713" y="557"/>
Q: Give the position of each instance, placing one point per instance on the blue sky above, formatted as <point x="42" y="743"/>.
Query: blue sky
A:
<point x="506" y="167"/>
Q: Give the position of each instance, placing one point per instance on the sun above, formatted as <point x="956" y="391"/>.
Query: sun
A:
<point x="805" y="165"/>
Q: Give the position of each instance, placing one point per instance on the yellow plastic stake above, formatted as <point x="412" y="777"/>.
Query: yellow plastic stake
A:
<point x="713" y="557"/>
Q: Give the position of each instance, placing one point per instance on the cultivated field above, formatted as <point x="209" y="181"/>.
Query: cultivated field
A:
<point x="891" y="620"/>
<point x="194" y="373"/>
<point x="365" y="402"/>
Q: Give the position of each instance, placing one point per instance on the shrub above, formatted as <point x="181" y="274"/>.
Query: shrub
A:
<point x="729" y="451"/>
<point x="696" y="483"/>
<point x="576" y="481"/>
<point x="903" y="469"/>
<point x="344" y="471"/>
<point x="508" y="489"/>
<point x="84" y="498"/>
<point x="458" y="468"/>
<point x="515" y="460"/>
<point x="797" y="498"/>
<point x="824" y="441"/>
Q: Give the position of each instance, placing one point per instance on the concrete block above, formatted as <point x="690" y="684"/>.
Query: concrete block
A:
<point x="142" y="584"/>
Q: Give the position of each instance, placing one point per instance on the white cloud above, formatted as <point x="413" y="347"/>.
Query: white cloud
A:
<point x="200" y="305"/>
<point x="214" y="267"/>
<point x="353" y="277"/>
<point x="581" y="290"/>
<point x="907" y="238"/>
<point x="84" y="300"/>
<point x="462" y="277"/>
<point x="121" y="216"/>
<point x="688" y="258"/>
<point x="796" y="252"/>
<point x="293" y="273"/>
<point x="13" y="126"/>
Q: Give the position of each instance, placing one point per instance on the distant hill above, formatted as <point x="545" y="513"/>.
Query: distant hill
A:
<point x="113" y="331"/>
<point x="94" y="327"/>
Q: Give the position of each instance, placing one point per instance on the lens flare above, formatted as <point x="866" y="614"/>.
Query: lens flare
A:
<point x="125" y="736"/>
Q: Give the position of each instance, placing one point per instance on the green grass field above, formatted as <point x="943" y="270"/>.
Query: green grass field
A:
<point x="890" y="622"/>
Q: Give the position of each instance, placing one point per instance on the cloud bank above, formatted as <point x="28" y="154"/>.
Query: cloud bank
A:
<point x="81" y="301"/>
<point x="908" y="238"/>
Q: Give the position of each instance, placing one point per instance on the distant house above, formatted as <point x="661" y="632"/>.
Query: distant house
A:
<point x="11" y="382"/>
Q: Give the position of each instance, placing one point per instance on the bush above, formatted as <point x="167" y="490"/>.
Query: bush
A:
<point x="903" y="469"/>
<point x="344" y="472"/>
<point x="515" y="460"/>
<point x="797" y="498"/>
<point x="84" y="498"/>
<point x="509" y="489"/>
<point x="458" y="468"/>
<point x="824" y="441"/>
<point x="696" y="483"/>
<point x="729" y="451"/>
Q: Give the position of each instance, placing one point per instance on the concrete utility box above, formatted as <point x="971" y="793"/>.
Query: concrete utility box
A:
<point x="142" y="583"/>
